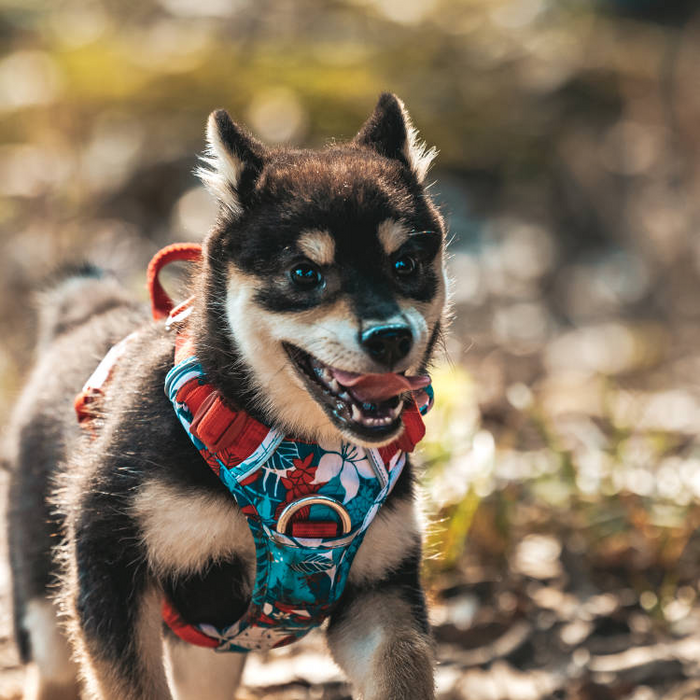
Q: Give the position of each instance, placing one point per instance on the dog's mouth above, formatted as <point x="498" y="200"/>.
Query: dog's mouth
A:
<point x="368" y="405"/>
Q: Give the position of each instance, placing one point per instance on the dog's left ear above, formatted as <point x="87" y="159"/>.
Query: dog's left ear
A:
<point x="232" y="157"/>
<point x="389" y="131"/>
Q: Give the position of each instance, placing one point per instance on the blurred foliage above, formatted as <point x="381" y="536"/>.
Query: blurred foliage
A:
<point x="569" y="135"/>
<point x="621" y="499"/>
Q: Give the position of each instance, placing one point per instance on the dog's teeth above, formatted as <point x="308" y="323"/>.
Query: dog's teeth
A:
<point x="326" y="375"/>
<point x="345" y="396"/>
<point x="334" y="386"/>
<point x="356" y="413"/>
<point x="394" y="412"/>
<point x="370" y="422"/>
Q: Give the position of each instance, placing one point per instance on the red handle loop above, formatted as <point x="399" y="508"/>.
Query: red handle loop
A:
<point x="161" y="303"/>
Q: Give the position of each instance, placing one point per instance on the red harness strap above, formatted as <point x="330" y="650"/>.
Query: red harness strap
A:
<point x="230" y="435"/>
<point x="183" y="629"/>
<point x="414" y="431"/>
<point x="161" y="303"/>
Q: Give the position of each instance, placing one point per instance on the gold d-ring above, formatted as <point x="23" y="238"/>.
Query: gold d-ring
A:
<point x="288" y="512"/>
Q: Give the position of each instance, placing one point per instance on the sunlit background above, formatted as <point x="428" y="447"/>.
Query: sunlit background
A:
<point x="563" y="462"/>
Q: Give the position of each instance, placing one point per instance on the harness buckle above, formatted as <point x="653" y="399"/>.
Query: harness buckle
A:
<point x="216" y="425"/>
<point x="286" y="515"/>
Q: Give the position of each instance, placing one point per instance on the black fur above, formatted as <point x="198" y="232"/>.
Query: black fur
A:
<point x="385" y="130"/>
<point x="216" y="595"/>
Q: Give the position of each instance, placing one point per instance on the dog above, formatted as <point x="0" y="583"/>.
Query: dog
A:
<point x="316" y="308"/>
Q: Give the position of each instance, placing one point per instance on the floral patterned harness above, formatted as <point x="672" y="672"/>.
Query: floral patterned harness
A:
<point x="287" y="489"/>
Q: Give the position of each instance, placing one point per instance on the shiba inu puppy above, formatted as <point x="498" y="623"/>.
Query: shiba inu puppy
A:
<point x="317" y="307"/>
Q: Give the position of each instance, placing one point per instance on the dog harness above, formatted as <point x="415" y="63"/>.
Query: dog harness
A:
<point x="308" y="506"/>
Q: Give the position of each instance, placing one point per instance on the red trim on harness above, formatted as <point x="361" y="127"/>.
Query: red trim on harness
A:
<point x="161" y="303"/>
<point x="83" y="401"/>
<point x="314" y="529"/>
<point x="232" y="435"/>
<point x="215" y="424"/>
<point x="193" y="394"/>
<point x="414" y="430"/>
<point x="183" y="629"/>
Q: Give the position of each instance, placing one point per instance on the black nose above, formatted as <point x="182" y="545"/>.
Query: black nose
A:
<point x="388" y="344"/>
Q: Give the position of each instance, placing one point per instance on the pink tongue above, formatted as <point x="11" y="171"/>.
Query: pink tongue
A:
<point x="379" y="387"/>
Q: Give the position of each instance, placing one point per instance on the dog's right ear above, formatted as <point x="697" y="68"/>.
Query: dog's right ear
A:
<point x="232" y="155"/>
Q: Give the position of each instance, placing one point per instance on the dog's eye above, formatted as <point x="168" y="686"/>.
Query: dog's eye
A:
<point x="305" y="276"/>
<point x="405" y="266"/>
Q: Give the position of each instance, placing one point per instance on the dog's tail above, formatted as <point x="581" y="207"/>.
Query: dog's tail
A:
<point x="74" y="294"/>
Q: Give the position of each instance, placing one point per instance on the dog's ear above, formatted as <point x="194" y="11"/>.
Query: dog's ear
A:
<point x="232" y="155"/>
<point x="389" y="131"/>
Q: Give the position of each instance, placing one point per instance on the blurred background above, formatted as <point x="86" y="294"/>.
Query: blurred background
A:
<point x="562" y="465"/>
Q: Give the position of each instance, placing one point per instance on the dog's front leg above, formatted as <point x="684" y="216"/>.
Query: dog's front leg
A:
<point x="379" y="637"/>
<point x="117" y="668"/>
<point x="114" y="615"/>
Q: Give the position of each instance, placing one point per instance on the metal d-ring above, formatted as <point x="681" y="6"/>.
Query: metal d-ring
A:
<point x="293" y="507"/>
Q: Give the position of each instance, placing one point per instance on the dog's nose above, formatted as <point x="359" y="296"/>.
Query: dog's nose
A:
<point x="388" y="344"/>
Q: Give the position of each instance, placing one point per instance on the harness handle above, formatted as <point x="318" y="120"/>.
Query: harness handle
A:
<point x="161" y="303"/>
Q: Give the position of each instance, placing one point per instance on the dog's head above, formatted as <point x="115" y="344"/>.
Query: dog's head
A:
<point x="324" y="282"/>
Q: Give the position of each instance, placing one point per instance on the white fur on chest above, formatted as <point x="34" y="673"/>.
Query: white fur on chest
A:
<point x="184" y="531"/>
<point x="391" y="536"/>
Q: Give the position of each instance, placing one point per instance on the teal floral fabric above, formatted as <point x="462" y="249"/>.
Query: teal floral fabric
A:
<point x="298" y="581"/>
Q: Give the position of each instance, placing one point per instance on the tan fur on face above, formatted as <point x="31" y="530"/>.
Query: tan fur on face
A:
<point x="258" y="335"/>
<point x="392" y="235"/>
<point x="331" y="334"/>
<point x="183" y="531"/>
<point x="318" y="246"/>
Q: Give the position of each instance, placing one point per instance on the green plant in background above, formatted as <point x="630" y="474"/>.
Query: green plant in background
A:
<point x="609" y="494"/>
<point x="453" y="471"/>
